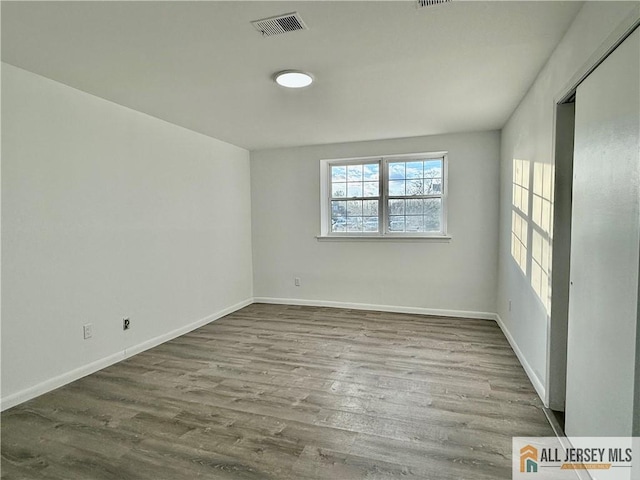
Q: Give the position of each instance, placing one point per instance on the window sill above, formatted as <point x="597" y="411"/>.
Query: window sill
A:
<point x="383" y="238"/>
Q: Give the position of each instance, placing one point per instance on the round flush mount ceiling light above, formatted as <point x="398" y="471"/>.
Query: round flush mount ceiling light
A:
<point x="293" y="79"/>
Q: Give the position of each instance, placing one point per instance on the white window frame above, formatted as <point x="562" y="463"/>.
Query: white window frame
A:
<point x="383" y="161"/>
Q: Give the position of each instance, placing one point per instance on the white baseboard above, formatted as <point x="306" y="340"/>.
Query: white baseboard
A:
<point x="76" y="374"/>
<point x="154" y="342"/>
<point x="380" y="308"/>
<point x="57" y="382"/>
<point x="535" y="380"/>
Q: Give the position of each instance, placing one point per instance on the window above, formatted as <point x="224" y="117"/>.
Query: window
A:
<point x="396" y="196"/>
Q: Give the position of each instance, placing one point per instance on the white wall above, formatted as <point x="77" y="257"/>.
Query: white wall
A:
<point x="106" y="213"/>
<point x="458" y="277"/>
<point x="528" y="135"/>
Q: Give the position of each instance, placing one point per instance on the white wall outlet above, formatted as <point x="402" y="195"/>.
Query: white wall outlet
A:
<point x="87" y="330"/>
<point x="126" y="323"/>
<point x="296" y="281"/>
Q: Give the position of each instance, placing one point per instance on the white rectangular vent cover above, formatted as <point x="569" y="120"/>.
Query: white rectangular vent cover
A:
<point x="289" y="22"/>
<point x="428" y="3"/>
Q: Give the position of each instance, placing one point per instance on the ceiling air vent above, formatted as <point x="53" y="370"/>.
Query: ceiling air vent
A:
<point x="429" y="3"/>
<point x="289" y="22"/>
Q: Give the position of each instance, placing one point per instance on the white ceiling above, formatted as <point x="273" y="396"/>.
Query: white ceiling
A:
<point x="382" y="69"/>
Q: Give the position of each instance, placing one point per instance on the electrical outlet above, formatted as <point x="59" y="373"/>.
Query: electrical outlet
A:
<point x="296" y="281"/>
<point x="126" y="323"/>
<point x="509" y="305"/>
<point x="87" y="330"/>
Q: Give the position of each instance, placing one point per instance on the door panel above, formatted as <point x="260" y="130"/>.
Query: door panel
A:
<point x="605" y="235"/>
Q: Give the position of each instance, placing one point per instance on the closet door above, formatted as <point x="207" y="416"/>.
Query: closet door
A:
<point x="605" y="229"/>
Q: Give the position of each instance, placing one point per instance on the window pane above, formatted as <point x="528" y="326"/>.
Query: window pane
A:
<point x="432" y="214"/>
<point x="338" y="209"/>
<point x="354" y="224"/>
<point x="354" y="189"/>
<point x="370" y="208"/>
<point x="338" y="174"/>
<point x="433" y="186"/>
<point x="414" y="169"/>
<point x="414" y="223"/>
<point x="396" y="170"/>
<point x="371" y="189"/>
<point x="433" y="168"/>
<point x="396" y="207"/>
<point x="414" y="187"/>
<point x="396" y="223"/>
<point x="354" y="208"/>
<point x="354" y="173"/>
<point x="414" y="206"/>
<point x="396" y="187"/>
<point x="338" y="224"/>
<point x="372" y="172"/>
<point x="338" y="189"/>
<point x="370" y="224"/>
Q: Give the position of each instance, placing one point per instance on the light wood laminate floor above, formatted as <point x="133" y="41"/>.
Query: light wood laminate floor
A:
<point x="288" y="392"/>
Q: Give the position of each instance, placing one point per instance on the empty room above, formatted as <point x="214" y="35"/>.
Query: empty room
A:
<point x="320" y="240"/>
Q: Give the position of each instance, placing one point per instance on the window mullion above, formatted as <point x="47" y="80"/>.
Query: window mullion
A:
<point x="354" y="198"/>
<point x="382" y="206"/>
<point x="409" y="197"/>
